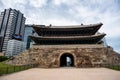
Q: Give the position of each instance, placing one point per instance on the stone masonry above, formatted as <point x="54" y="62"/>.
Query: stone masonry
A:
<point x="48" y="56"/>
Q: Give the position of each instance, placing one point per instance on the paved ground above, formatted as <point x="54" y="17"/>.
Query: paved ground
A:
<point x="64" y="74"/>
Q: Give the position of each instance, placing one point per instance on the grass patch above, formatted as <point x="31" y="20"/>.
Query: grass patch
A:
<point x="115" y="67"/>
<point x="6" y="68"/>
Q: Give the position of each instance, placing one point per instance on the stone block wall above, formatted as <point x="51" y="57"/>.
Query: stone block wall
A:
<point x="49" y="56"/>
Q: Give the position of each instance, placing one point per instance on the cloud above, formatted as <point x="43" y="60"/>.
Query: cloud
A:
<point x="68" y="2"/>
<point x="59" y="21"/>
<point x="72" y="12"/>
<point x="37" y="3"/>
<point x="12" y="3"/>
<point x="109" y="15"/>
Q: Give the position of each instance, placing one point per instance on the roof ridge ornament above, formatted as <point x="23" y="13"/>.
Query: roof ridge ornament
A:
<point x="81" y="24"/>
<point x="50" y="25"/>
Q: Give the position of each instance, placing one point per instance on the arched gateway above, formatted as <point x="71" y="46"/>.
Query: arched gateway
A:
<point x="66" y="59"/>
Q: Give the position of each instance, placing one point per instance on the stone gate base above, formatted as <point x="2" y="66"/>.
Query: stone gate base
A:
<point x="50" y="56"/>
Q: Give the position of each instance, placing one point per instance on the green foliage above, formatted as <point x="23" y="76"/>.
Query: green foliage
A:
<point x="3" y="58"/>
<point x="6" y="68"/>
<point x="114" y="67"/>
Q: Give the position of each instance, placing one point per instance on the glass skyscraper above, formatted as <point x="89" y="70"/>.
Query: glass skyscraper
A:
<point x="1" y="43"/>
<point x="29" y="31"/>
<point x="12" y="23"/>
<point x="27" y="41"/>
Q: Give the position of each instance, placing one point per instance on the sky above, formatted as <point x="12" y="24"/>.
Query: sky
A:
<point x="72" y="12"/>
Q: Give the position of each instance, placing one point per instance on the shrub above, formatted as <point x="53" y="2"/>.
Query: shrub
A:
<point x="3" y="58"/>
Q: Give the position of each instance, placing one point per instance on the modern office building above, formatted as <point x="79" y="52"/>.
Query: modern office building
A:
<point x="29" y="31"/>
<point x="27" y="40"/>
<point x="1" y="43"/>
<point x="14" y="47"/>
<point x="11" y="26"/>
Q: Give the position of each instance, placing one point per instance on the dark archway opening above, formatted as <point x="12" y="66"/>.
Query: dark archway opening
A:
<point x="66" y="60"/>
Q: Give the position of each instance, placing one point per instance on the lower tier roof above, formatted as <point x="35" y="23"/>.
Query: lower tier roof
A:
<point x="68" y="39"/>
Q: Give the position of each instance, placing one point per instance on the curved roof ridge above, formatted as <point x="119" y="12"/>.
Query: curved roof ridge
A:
<point x="71" y="26"/>
<point x="76" y="26"/>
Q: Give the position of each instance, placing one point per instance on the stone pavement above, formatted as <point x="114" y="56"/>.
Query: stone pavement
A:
<point x="64" y="74"/>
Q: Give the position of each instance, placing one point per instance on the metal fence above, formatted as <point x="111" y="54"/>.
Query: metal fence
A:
<point x="115" y="67"/>
<point x="12" y="69"/>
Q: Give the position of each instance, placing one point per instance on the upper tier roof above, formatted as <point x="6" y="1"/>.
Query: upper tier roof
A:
<point x="67" y="30"/>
